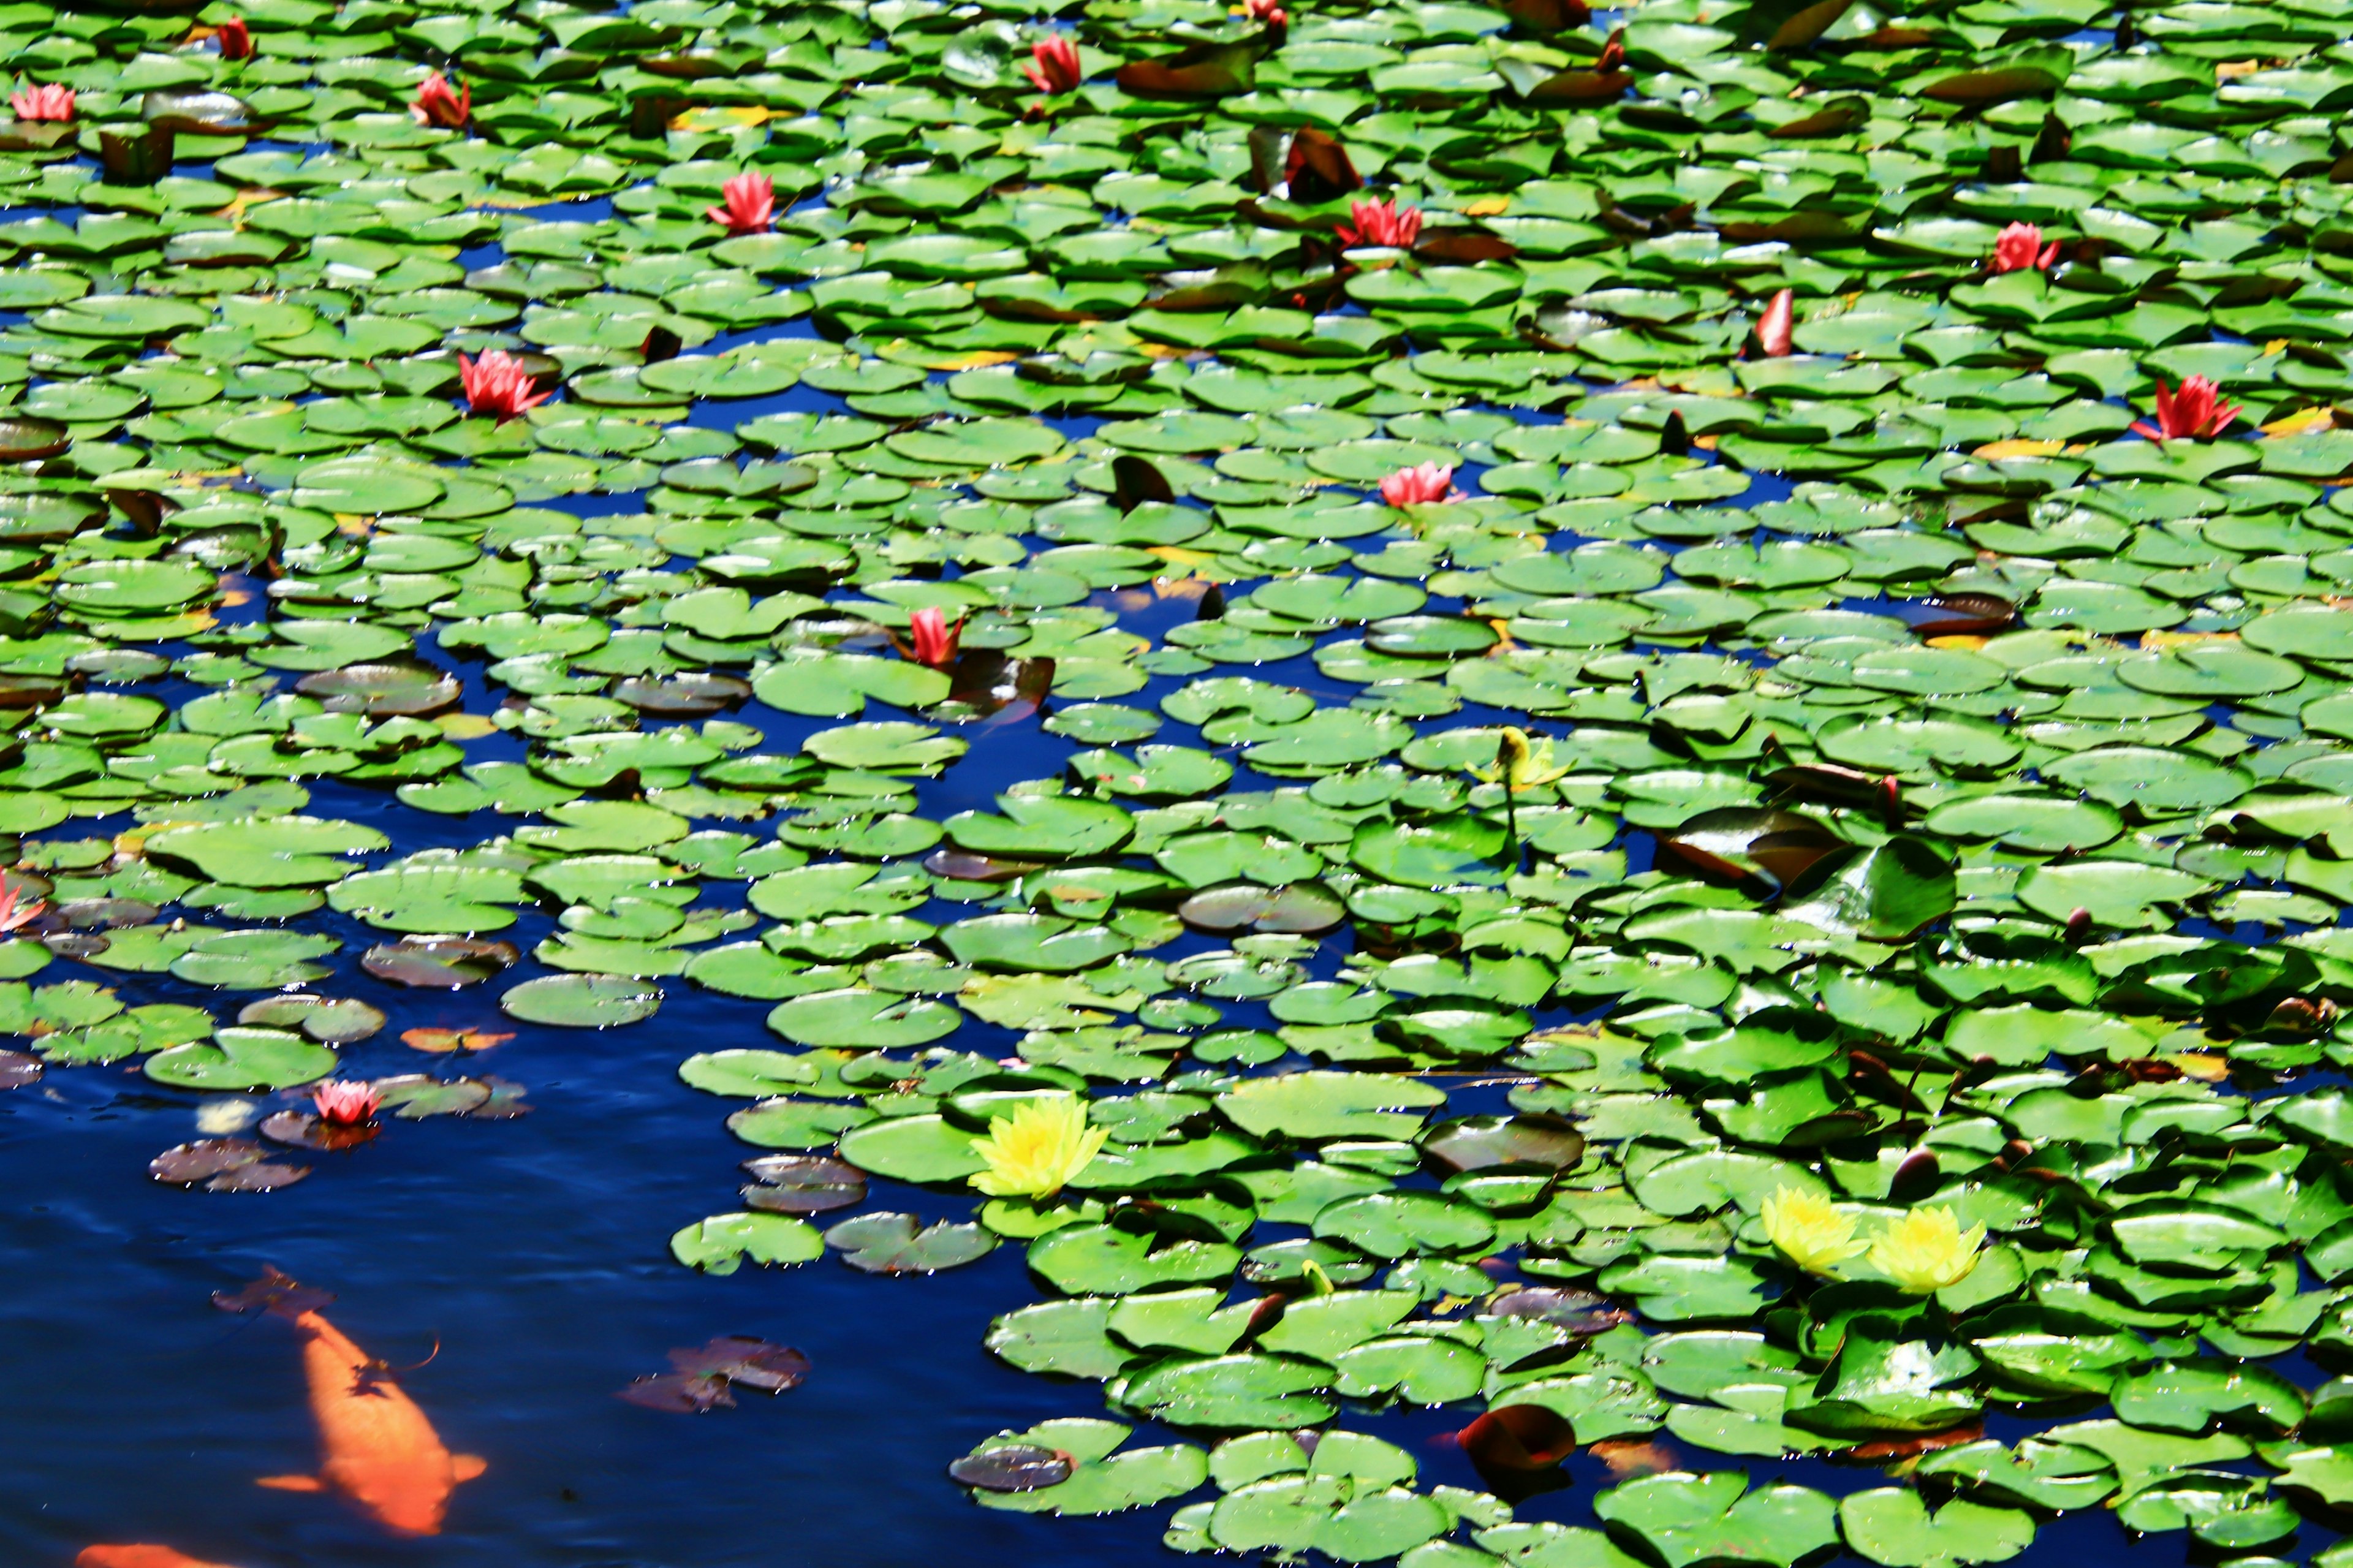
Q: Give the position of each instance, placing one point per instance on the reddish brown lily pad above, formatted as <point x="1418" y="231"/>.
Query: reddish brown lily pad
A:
<point x="223" y="1165"/>
<point x="24" y="439"/>
<point x="1499" y="1143"/>
<point x="390" y="690"/>
<point x="707" y="1375"/>
<point x="1579" y="1311"/>
<point x="692" y="696"/>
<point x="1205" y="70"/>
<point x="307" y="1130"/>
<point x="964" y="865"/>
<point x="1517" y="1439"/>
<point x="439" y="963"/>
<point x="792" y="1184"/>
<point x="1302" y="908"/>
<point x="1016" y="1468"/>
<point x="107" y="914"/>
<point x="1746" y="843"/>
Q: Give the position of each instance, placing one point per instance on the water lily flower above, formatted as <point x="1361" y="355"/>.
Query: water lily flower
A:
<point x="2019" y="246"/>
<point x="1053" y="65"/>
<point x="1270" y="15"/>
<point x="1613" y="54"/>
<point x="235" y="43"/>
<point x="1380" y="223"/>
<point x="1775" y="331"/>
<point x="1519" y="764"/>
<point x="2194" y="409"/>
<point x="1033" y="1153"/>
<point x="1413" y="486"/>
<point x="750" y="207"/>
<point x="14" y="914"/>
<point x="1809" y="1229"/>
<point x="497" y="384"/>
<point x="43" y="101"/>
<point x="344" y="1104"/>
<point x="436" y="104"/>
<point x="935" y="639"/>
<point x="1927" y="1250"/>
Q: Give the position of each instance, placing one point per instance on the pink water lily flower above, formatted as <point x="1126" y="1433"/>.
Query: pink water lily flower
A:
<point x="43" y="101"/>
<point x="1053" y="66"/>
<point x="14" y="914"/>
<point x="2019" y="246"/>
<point x="1272" y="15"/>
<point x="1775" y="332"/>
<point x="1417" y="486"/>
<point x="750" y="205"/>
<point x="2193" y="410"/>
<point x="1380" y="223"/>
<point x="935" y="639"/>
<point x="343" y="1104"/>
<point x="498" y="385"/>
<point x="436" y="104"/>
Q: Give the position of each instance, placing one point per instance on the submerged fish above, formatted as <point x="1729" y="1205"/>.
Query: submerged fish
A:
<point x="377" y="1448"/>
<point x="138" y="1557"/>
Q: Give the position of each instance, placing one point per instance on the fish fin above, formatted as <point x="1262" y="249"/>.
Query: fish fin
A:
<point x="291" y="1483"/>
<point x="466" y="1466"/>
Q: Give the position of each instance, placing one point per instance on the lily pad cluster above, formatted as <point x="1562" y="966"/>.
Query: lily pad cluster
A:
<point x="1796" y="748"/>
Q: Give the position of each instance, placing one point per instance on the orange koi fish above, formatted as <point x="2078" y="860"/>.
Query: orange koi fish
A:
<point x="377" y="1448"/>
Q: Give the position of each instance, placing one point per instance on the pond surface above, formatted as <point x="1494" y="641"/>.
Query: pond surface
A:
<point x="1440" y="784"/>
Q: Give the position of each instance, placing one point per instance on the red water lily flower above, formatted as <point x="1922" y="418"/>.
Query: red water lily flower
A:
<point x="1053" y="66"/>
<point x="43" y="101"/>
<point x="2193" y="410"/>
<point x="436" y="104"/>
<point x="1413" y="486"/>
<point x="1780" y="319"/>
<point x="1270" y="15"/>
<point x="498" y="385"/>
<point x="935" y="639"/>
<point x="13" y="914"/>
<point x="750" y="207"/>
<point x="235" y="43"/>
<point x="2019" y="246"/>
<point x="344" y="1104"/>
<point x="1380" y="223"/>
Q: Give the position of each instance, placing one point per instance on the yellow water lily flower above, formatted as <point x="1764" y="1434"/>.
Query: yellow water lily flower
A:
<point x="1927" y="1250"/>
<point x="1037" y="1149"/>
<point x="1809" y="1229"/>
<point x="1525" y="765"/>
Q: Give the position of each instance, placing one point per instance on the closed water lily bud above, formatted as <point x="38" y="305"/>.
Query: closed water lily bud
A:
<point x="2302" y="1015"/>
<point x="2079" y="926"/>
<point x="1916" y="1177"/>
